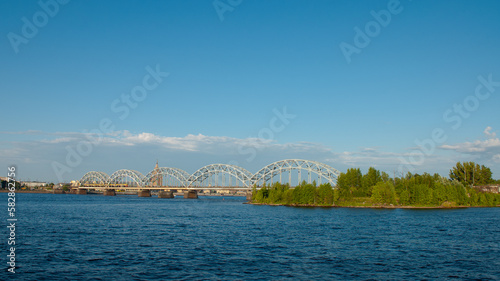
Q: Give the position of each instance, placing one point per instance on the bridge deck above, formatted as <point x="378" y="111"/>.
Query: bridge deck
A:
<point x="163" y="188"/>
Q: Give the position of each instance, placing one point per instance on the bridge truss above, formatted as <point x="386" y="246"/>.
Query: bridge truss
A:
<point x="287" y="167"/>
<point x="166" y="176"/>
<point x="216" y="176"/>
<point x="94" y="178"/>
<point x="126" y="178"/>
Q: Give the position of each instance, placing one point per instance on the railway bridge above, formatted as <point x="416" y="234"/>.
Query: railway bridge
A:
<point x="166" y="180"/>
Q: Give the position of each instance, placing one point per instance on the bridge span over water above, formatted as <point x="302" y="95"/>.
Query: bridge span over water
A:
<point x="212" y="177"/>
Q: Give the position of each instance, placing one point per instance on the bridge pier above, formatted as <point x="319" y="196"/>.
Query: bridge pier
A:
<point x="81" y="191"/>
<point x="144" y="193"/>
<point x="249" y="196"/>
<point x="109" y="192"/>
<point x="166" y="194"/>
<point x="190" y="194"/>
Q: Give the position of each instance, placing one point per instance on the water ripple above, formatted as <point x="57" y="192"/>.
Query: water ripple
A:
<point x="63" y="237"/>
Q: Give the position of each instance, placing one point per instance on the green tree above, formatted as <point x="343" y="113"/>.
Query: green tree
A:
<point x="336" y="195"/>
<point x="439" y="194"/>
<point x="309" y="192"/>
<point x="460" y="192"/>
<point x="383" y="192"/>
<point x="349" y="183"/>
<point x="470" y="173"/>
<point x="304" y="194"/>
<point x="404" y="198"/>
<point x="259" y="198"/>
<point x="66" y="187"/>
<point x="342" y="189"/>
<point x="325" y="194"/>
<point x="473" y="197"/>
<point x="262" y="194"/>
<point x="288" y="196"/>
<point x="385" y="176"/>
<point x="369" y="180"/>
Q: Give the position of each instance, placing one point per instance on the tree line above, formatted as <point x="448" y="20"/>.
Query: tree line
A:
<point x="376" y="188"/>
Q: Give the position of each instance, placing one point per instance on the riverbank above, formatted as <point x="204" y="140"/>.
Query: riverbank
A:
<point x="120" y="193"/>
<point x="28" y="191"/>
<point x="371" y="206"/>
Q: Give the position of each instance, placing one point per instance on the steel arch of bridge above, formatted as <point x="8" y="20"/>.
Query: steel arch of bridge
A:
<point x="203" y="173"/>
<point x="179" y="174"/>
<point x="322" y="170"/>
<point x="94" y="178"/>
<point x="136" y="176"/>
<point x="248" y="179"/>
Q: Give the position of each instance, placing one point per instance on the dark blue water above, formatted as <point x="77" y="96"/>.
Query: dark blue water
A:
<point x="78" y="237"/>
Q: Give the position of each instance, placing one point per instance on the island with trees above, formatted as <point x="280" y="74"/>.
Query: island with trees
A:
<point x="377" y="189"/>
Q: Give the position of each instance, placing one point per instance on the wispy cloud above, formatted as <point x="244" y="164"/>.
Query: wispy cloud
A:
<point x="368" y="155"/>
<point x="483" y="150"/>
<point x="478" y="146"/>
<point x="41" y="133"/>
<point x="61" y="140"/>
<point x="124" y="149"/>
<point x="199" y="142"/>
<point x="496" y="158"/>
<point x="376" y="157"/>
<point x="489" y="133"/>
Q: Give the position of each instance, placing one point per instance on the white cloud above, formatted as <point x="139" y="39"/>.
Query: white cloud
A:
<point x="477" y="146"/>
<point x="61" y="140"/>
<point x="123" y="149"/>
<point x="488" y="132"/>
<point x="189" y="143"/>
<point x="42" y="133"/>
<point x="139" y="151"/>
<point x="487" y="150"/>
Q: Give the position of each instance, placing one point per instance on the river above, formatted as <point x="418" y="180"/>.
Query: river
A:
<point x="93" y="237"/>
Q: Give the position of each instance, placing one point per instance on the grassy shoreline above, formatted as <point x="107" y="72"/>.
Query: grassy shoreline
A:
<point x="371" y="206"/>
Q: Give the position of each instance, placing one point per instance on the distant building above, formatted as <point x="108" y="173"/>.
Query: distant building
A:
<point x="156" y="177"/>
<point x="61" y="184"/>
<point x="489" y="188"/>
<point x="31" y="184"/>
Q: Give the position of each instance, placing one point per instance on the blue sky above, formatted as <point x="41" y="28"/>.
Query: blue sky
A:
<point x="229" y="74"/>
